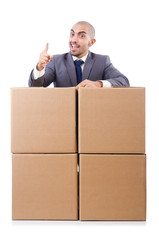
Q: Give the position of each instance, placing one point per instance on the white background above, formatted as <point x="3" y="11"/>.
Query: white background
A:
<point x="127" y="31"/>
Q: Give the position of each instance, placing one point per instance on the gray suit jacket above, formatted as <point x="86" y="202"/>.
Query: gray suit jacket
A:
<point x="61" y="71"/>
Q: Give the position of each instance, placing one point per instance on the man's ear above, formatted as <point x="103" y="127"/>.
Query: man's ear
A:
<point x="92" y="42"/>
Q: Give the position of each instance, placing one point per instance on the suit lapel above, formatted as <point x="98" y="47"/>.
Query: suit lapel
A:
<point x="71" y="69"/>
<point x="88" y="66"/>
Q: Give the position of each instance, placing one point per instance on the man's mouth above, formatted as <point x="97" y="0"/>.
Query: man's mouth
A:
<point x="74" y="46"/>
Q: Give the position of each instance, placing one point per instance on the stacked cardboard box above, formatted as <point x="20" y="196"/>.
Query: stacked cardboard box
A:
<point x="111" y="130"/>
<point x="111" y="147"/>
<point x="44" y="159"/>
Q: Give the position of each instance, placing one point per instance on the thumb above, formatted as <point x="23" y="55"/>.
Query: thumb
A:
<point x="51" y="56"/>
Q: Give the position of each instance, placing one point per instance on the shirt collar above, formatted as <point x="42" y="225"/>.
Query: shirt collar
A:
<point x="83" y="58"/>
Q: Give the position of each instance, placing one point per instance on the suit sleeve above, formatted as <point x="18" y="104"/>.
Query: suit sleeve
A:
<point x="46" y="79"/>
<point x="113" y="75"/>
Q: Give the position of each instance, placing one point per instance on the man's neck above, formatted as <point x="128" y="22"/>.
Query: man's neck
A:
<point x="82" y="58"/>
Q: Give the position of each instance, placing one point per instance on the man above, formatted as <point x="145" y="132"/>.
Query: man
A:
<point x="79" y="67"/>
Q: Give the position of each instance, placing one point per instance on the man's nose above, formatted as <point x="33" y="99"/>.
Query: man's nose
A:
<point x="74" y="38"/>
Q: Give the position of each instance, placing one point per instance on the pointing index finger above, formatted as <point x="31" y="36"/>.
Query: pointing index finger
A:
<point x="47" y="47"/>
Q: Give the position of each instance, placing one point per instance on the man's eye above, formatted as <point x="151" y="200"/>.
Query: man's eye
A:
<point x="82" y="36"/>
<point x="71" y="34"/>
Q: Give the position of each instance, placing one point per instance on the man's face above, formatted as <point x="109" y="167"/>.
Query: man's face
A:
<point x="79" y="40"/>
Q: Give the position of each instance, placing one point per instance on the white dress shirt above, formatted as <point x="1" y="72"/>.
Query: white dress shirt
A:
<point x="37" y="74"/>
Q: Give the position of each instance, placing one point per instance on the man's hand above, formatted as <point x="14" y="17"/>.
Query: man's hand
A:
<point x="90" y="84"/>
<point x="44" y="58"/>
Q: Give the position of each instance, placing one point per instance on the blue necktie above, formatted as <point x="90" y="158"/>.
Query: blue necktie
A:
<point x="78" y="70"/>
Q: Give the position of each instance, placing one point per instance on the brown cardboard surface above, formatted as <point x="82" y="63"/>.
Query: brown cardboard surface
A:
<point x="43" y="120"/>
<point x="44" y="186"/>
<point x="112" y="187"/>
<point x="111" y="120"/>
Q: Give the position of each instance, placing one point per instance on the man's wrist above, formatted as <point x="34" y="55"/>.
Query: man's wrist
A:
<point x="100" y="83"/>
<point x="39" y="68"/>
<point x="37" y="74"/>
<point x="106" y="84"/>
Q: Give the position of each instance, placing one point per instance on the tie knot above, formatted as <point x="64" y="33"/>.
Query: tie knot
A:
<point x="78" y="62"/>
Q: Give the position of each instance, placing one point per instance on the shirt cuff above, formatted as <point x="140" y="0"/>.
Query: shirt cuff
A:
<point x="37" y="74"/>
<point x="106" y="84"/>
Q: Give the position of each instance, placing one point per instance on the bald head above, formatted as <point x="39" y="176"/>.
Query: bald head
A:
<point x="91" y="30"/>
<point x="81" y="38"/>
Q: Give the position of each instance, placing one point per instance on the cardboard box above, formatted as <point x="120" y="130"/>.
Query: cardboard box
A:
<point x="111" y="120"/>
<point x="44" y="186"/>
<point x="112" y="187"/>
<point x="43" y="120"/>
